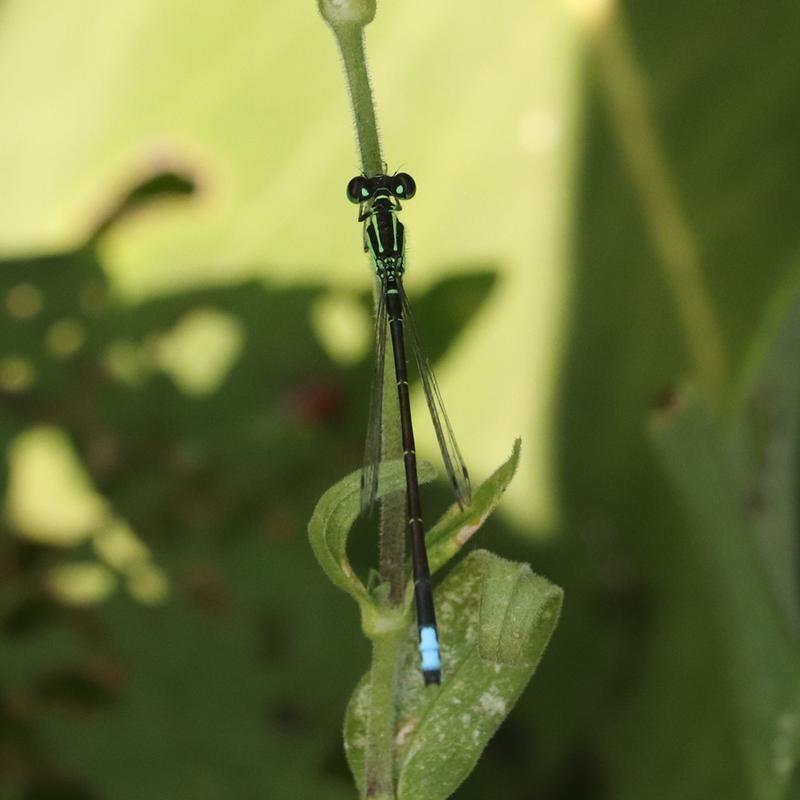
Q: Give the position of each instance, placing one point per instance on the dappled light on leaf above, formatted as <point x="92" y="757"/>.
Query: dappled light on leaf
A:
<point x="200" y="349"/>
<point x="80" y="584"/>
<point x="69" y="510"/>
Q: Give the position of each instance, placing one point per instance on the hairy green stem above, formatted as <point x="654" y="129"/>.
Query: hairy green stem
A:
<point x="392" y="536"/>
<point x="351" y="45"/>
<point x="653" y="182"/>
<point x="379" y="752"/>
<point x="347" y="19"/>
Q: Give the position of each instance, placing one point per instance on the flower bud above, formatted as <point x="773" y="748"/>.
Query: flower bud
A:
<point x="347" y="12"/>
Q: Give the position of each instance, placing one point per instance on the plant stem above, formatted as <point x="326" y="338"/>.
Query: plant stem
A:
<point x="392" y="550"/>
<point x="351" y="46"/>
<point x="383" y="677"/>
<point x="347" y="19"/>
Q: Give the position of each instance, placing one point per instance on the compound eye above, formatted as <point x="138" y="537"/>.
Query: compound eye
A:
<point x="403" y="185"/>
<point x="357" y="190"/>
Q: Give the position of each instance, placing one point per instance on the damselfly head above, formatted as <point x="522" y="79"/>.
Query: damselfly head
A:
<point x="362" y="189"/>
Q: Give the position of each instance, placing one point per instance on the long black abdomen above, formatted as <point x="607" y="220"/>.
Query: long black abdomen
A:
<point x="423" y="591"/>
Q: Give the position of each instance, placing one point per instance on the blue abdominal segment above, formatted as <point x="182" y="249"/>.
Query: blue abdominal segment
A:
<point x="429" y="649"/>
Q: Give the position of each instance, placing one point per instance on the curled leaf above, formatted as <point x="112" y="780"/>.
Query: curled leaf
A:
<point x="514" y="606"/>
<point x="335" y="514"/>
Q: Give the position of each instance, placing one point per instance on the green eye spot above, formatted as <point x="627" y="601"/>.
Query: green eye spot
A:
<point x="399" y="189"/>
<point x="364" y="191"/>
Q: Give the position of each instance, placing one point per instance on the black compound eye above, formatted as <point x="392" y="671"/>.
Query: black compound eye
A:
<point x="358" y="190"/>
<point x="403" y="185"/>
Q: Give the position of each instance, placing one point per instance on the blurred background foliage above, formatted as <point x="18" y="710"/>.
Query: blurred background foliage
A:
<point x="184" y="367"/>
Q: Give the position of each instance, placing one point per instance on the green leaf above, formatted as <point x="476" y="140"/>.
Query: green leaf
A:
<point x="765" y="423"/>
<point x="456" y="527"/>
<point x="495" y="619"/>
<point x="335" y="514"/>
<point x="726" y="116"/>
<point x="761" y="661"/>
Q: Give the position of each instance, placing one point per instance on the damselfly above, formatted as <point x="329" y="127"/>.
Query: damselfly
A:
<point x="379" y="198"/>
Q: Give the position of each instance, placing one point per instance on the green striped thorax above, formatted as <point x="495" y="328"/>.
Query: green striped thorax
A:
<point x="379" y="198"/>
